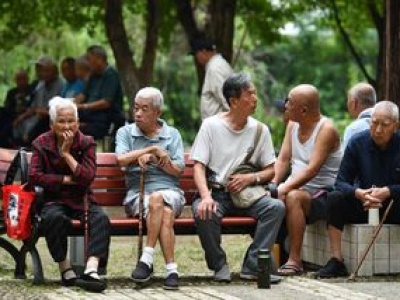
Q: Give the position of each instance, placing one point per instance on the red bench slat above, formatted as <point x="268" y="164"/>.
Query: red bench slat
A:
<point x="109" y="191"/>
<point x="105" y="183"/>
<point x="180" y="222"/>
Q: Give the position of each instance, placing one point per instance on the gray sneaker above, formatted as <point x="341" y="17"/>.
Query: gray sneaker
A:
<point x="253" y="276"/>
<point x="223" y="274"/>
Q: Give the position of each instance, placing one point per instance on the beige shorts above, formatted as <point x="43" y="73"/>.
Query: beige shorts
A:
<point x="175" y="199"/>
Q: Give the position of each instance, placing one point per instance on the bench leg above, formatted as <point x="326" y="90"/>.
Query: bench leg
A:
<point x="38" y="277"/>
<point x="19" y="271"/>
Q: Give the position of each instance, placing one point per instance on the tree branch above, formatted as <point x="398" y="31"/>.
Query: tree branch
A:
<point x="349" y="43"/>
<point x="378" y="19"/>
<point x="118" y="39"/>
<point x="149" y="50"/>
<point x="186" y="18"/>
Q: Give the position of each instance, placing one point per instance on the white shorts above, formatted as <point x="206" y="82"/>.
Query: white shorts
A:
<point x="175" y="199"/>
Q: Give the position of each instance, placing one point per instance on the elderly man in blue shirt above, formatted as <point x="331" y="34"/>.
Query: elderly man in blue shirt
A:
<point x="360" y="100"/>
<point x="369" y="176"/>
<point x="151" y="144"/>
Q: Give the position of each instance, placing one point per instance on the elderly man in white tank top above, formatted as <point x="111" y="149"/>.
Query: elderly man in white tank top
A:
<point x="311" y="149"/>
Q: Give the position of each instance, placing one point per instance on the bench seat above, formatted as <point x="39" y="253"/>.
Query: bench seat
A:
<point x="109" y="191"/>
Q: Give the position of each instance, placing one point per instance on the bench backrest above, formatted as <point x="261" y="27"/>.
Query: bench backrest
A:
<point x="6" y="157"/>
<point x="109" y="183"/>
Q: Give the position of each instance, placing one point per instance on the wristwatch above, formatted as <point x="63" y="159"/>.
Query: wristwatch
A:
<point x="258" y="180"/>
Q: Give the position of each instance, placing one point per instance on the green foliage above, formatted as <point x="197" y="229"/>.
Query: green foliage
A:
<point x="178" y="82"/>
<point x="317" y="55"/>
<point x="22" y="18"/>
<point x="313" y="56"/>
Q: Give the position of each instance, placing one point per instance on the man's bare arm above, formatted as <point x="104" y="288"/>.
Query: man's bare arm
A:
<point x="327" y="141"/>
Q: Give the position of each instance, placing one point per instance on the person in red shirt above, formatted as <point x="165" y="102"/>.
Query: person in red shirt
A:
<point x="64" y="164"/>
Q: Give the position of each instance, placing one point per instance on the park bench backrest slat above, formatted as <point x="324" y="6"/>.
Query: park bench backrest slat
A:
<point x="109" y="183"/>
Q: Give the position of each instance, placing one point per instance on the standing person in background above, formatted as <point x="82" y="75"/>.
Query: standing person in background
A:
<point x="217" y="71"/>
<point x="101" y="103"/>
<point x="73" y="85"/>
<point x="360" y="100"/>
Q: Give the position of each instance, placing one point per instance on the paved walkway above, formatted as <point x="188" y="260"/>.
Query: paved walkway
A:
<point x="290" y="288"/>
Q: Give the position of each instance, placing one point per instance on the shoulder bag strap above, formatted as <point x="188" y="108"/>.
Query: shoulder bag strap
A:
<point x="20" y="161"/>
<point x="256" y="140"/>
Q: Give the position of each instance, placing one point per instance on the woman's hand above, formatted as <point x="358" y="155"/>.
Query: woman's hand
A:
<point x="68" y="138"/>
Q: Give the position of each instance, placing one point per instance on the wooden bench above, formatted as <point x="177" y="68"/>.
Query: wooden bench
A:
<point x="109" y="190"/>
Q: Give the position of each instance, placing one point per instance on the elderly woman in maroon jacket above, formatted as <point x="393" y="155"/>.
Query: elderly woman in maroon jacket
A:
<point x="64" y="164"/>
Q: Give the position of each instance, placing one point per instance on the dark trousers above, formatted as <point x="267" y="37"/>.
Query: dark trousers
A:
<point x="96" y="130"/>
<point x="267" y="211"/>
<point x="57" y="221"/>
<point x="5" y="128"/>
<point x="349" y="210"/>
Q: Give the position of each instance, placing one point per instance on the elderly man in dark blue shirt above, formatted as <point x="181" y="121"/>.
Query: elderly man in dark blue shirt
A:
<point x="101" y="103"/>
<point x="369" y="176"/>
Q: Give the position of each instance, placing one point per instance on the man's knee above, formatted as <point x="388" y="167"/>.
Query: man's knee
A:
<point x="168" y="217"/>
<point x="277" y="206"/>
<point x="297" y="199"/>
<point x="156" y="202"/>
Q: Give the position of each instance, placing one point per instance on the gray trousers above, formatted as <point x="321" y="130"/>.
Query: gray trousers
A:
<point x="268" y="212"/>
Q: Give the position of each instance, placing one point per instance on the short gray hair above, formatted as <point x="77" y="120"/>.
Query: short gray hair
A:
<point x="388" y="106"/>
<point x="364" y="93"/>
<point x="98" y="51"/>
<point x="235" y="84"/>
<point x="57" y="103"/>
<point x="152" y="93"/>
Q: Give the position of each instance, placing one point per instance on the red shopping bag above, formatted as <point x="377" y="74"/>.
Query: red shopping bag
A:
<point x="17" y="204"/>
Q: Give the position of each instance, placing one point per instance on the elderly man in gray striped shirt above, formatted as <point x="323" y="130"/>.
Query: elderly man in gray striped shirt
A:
<point x="151" y="144"/>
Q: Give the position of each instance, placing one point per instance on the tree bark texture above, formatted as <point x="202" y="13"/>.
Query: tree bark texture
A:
<point x="118" y="40"/>
<point x="219" y="27"/>
<point x="392" y="90"/>
<point x="379" y="21"/>
<point x="132" y="76"/>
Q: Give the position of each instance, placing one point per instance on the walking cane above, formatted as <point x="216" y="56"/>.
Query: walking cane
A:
<point x="86" y="225"/>
<point x="141" y="213"/>
<point x="372" y="241"/>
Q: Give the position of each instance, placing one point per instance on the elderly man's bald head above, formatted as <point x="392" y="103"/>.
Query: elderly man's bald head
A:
<point x="307" y="96"/>
<point x="305" y="91"/>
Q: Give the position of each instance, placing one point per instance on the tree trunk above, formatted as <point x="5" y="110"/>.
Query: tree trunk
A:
<point x="150" y="48"/>
<point x="379" y="21"/>
<point x="118" y="40"/>
<point x="222" y="26"/>
<point x="132" y="77"/>
<point x="392" y="88"/>
<point x="219" y="27"/>
<point x="346" y="37"/>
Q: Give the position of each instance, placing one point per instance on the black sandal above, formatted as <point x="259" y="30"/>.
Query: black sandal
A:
<point x="70" y="281"/>
<point x="90" y="283"/>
